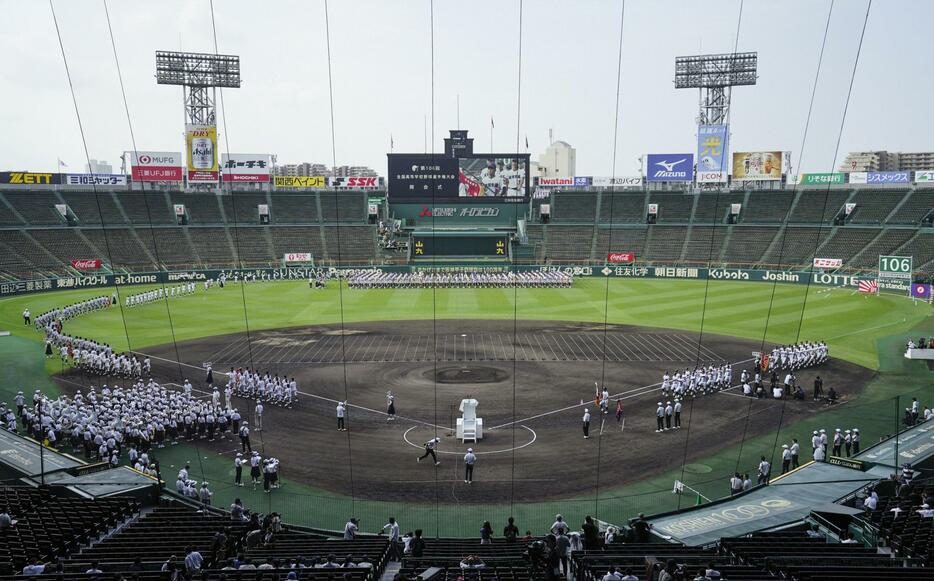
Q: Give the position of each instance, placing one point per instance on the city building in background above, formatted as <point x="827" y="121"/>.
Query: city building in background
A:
<point x="560" y="159"/>
<point x="98" y="167"/>
<point x="887" y="161"/>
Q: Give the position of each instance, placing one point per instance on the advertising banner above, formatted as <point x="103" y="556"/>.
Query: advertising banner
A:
<point x="354" y="183"/>
<point x="201" y="142"/>
<point x="556" y="182"/>
<point x="86" y="263"/>
<point x="757" y="165"/>
<point x="582" y="181"/>
<point x="828" y="262"/>
<point x="297" y="257"/>
<point x="624" y="257"/>
<point x="712" y="148"/>
<point x="93" y="179"/>
<point x="298" y="181"/>
<point x="246" y="167"/>
<point x="155" y="166"/>
<point x="735" y="209"/>
<point x="880" y="177"/>
<point x="924" y="176"/>
<point x="822" y="179"/>
<point x="617" y="182"/>
<point x="29" y="178"/>
<point x="670" y="167"/>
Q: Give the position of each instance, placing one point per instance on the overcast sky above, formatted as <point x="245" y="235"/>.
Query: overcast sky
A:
<point x="381" y="62"/>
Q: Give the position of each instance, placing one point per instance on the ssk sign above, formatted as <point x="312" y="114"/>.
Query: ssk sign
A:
<point x="86" y="263"/>
<point x="625" y="257"/>
<point x="353" y="182"/>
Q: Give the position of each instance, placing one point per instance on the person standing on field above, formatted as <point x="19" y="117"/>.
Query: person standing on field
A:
<point x="469" y="460"/>
<point x="430" y="447"/>
<point x="341" y="412"/>
<point x="586" y="423"/>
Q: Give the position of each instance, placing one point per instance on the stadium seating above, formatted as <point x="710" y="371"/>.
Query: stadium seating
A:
<point x="747" y="244"/>
<point x="886" y="243"/>
<point x="94" y="209"/>
<point x="568" y="243"/>
<point x="501" y="560"/>
<point x="846" y="242"/>
<point x="768" y="207"/>
<point x="50" y="526"/>
<point x="914" y="208"/>
<point x="36" y="208"/>
<point x="673" y="208"/>
<point x="874" y="206"/>
<point x="620" y="240"/>
<point x="713" y="209"/>
<point x="704" y="243"/>
<point x="797" y="248"/>
<point x="343" y="207"/>
<point x="574" y="207"/>
<point x="665" y="243"/>
<point x="622" y="208"/>
<point x="815" y="207"/>
<point x="294" y="208"/>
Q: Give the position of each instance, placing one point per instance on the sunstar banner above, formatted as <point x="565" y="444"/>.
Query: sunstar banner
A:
<point x="155" y="166"/>
<point x="670" y="167"/>
<point x="712" y="148"/>
<point x="201" y="158"/>
<point x="246" y="167"/>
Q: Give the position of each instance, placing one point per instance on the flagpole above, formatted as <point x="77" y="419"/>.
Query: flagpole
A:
<point x="491" y="134"/>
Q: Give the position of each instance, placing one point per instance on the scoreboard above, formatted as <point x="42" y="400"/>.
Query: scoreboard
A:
<point x="491" y="245"/>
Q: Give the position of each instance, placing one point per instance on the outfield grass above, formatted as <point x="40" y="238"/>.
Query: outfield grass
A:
<point x="867" y="330"/>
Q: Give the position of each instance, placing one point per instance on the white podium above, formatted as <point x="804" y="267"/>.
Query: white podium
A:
<point x="469" y="426"/>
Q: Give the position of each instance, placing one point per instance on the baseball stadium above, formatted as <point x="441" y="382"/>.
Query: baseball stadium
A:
<point x="465" y="363"/>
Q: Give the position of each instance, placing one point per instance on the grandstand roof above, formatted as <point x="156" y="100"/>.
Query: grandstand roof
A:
<point x="787" y="499"/>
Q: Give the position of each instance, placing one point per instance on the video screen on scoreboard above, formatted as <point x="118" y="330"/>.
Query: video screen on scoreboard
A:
<point x="482" y="178"/>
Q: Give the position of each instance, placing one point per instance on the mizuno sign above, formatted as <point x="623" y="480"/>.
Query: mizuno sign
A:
<point x="676" y="167"/>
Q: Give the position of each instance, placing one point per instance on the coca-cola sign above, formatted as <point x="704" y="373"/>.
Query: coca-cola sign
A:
<point x="621" y="257"/>
<point x="86" y="263"/>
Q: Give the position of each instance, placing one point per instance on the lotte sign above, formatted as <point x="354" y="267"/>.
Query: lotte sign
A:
<point x="624" y="257"/>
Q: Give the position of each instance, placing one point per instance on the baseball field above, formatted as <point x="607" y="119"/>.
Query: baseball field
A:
<point x="538" y="352"/>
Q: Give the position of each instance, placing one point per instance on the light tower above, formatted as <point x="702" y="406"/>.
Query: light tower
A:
<point x="715" y="75"/>
<point x="200" y="74"/>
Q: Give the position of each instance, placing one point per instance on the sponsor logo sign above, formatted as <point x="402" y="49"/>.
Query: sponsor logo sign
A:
<point x="712" y="148"/>
<point x="341" y="183"/>
<point x="921" y="290"/>
<point x="297" y="257"/>
<point x="86" y="263"/>
<point x="246" y="167"/>
<point x="298" y="181"/>
<point x="617" y="182"/>
<point x="29" y="178"/>
<point x="758" y="165"/>
<point x="201" y="144"/>
<point x="155" y="166"/>
<point x="670" y="167"/>
<point x="847" y="463"/>
<point x="626" y="257"/>
<point x="93" y="179"/>
<point x="822" y="179"/>
<point x="924" y="176"/>
<point x="462" y="212"/>
<point x="582" y="181"/>
<point x="653" y="208"/>
<point x="556" y="182"/>
<point x="828" y="262"/>
<point x="880" y="177"/>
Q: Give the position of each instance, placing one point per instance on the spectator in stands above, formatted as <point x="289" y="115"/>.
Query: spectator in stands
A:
<point x="193" y="560"/>
<point x="611" y="575"/>
<point x="236" y="510"/>
<point x="559" y="525"/>
<point x="591" y="534"/>
<point x="350" y="529"/>
<point x="551" y="558"/>
<point x="331" y="563"/>
<point x="640" y="529"/>
<point x="747" y="482"/>
<point x="609" y="536"/>
<point x="205" y="494"/>
<point x="94" y="569"/>
<point x="364" y="564"/>
<point x="510" y="531"/>
<point x="711" y="571"/>
<point x="171" y="567"/>
<point x="136" y="566"/>
<point x="563" y="547"/>
<point x="628" y="576"/>
<point x="486" y="533"/>
<point x="33" y="568"/>
<point x="668" y="573"/>
<point x="5" y="520"/>
<point x="393" y="527"/>
<point x="701" y="576"/>
<point x="417" y="545"/>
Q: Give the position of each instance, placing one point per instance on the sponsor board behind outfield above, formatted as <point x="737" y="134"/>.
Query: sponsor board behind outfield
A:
<point x="155" y="166"/>
<point x="616" y="182"/>
<point x="29" y="178"/>
<point x="96" y="179"/>
<point x="670" y="167"/>
<point x="624" y="271"/>
<point x="246" y="167"/>
<point x="879" y="177"/>
<point x="822" y="179"/>
<point x="712" y="149"/>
